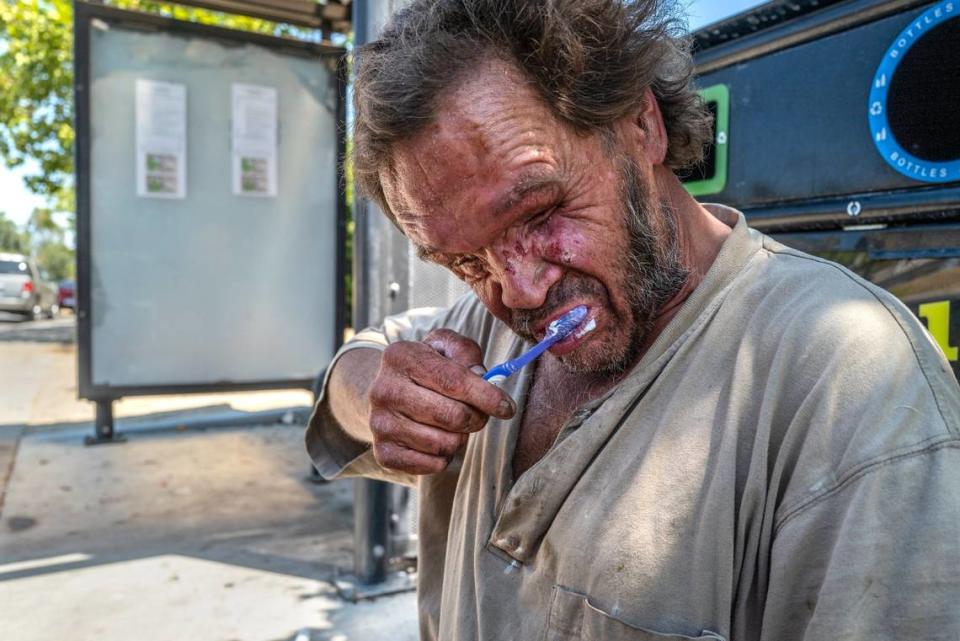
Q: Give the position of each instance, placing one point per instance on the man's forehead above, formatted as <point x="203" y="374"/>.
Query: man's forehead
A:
<point x="491" y="143"/>
<point x="485" y="117"/>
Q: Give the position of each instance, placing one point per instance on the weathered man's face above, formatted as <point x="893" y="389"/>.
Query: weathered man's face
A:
<point x="537" y="219"/>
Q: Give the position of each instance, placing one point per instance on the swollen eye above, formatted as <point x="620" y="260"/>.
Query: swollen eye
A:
<point x="540" y="219"/>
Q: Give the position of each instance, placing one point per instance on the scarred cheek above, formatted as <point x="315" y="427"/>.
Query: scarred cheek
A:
<point x="509" y="260"/>
<point x="561" y="245"/>
<point x="511" y="253"/>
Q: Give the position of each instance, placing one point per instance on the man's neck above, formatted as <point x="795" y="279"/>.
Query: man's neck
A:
<point x="700" y="235"/>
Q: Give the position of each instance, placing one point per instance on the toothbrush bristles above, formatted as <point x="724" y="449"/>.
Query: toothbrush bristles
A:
<point x="567" y="323"/>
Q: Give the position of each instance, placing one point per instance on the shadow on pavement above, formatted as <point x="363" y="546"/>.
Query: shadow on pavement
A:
<point x="228" y="552"/>
<point x="221" y="415"/>
<point x="181" y="415"/>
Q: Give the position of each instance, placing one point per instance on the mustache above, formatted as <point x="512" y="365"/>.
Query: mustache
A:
<point x="572" y="287"/>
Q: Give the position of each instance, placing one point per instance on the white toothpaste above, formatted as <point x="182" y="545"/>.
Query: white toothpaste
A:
<point x="586" y="328"/>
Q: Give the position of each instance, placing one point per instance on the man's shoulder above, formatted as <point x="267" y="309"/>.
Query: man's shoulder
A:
<point x="814" y="301"/>
<point x="825" y="321"/>
<point x="853" y="376"/>
<point x="804" y="273"/>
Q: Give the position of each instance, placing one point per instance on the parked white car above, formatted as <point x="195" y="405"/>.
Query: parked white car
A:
<point x="23" y="290"/>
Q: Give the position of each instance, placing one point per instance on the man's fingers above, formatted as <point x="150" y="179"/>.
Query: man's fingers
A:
<point x="425" y="401"/>
<point x="456" y="347"/>
<point x="393" y="428"/>
<point x="439" y="373"/>
<point x="454" y="381"/>
<point x="394" y="456"/>
<point x="425" y="406"/>
<point x="425" y="366"/>
<point x="395" y="393"/>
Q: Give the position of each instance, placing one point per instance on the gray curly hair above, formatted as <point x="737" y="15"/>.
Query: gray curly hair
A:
<point x="590" y="60"/>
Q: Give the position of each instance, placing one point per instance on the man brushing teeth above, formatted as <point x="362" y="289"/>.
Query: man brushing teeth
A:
<point x="706" y="455"/>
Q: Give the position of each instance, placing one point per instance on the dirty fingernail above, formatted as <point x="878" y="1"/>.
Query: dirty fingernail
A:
<point x="479" y="370"/>
<point x="506" y="409"/>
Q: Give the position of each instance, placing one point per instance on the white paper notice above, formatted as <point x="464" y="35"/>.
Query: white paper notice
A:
<point x="254" y="140"/>
<point x="161" y="139"/>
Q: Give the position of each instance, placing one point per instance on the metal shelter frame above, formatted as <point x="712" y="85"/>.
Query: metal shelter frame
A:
<point x="85" y="13"/>
<point x="328" y="16"/>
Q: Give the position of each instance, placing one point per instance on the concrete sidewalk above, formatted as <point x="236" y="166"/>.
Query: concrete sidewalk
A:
<point x="177" y="535"/>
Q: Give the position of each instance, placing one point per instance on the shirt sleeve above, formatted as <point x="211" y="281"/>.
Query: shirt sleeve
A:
<point x="877" y="558"/>
<point x="333" y="451"/>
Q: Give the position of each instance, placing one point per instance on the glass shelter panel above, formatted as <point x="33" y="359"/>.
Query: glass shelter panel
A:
<point x="210" y="285"/>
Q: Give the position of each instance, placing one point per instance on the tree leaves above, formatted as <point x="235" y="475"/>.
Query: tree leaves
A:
<point x="12" y="239"/>
<point x="57" y="260"/>
<point x="36" y="87"/>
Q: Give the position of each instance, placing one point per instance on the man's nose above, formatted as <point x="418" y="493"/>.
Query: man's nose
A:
<point x="524" y="280"/>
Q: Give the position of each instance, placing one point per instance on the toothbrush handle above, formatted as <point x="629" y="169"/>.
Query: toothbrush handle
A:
<point x="502" y="371"/>
<point x="498" y="373"/>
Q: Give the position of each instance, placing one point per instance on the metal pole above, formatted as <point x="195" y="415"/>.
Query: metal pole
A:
<point x="371" y="502"/>
<point x="361" y="15"/>
<point x="371" y="528"/>
<point x="103" y="430"/>
<point x="370" y="498"/>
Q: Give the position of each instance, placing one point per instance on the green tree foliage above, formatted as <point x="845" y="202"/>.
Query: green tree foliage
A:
<point x="204" y="16"/>
<point x="52" y="253"/>
<point x="12" y="239"/>
<point x="43" y="227"/>
<point x="57" y="259"/>
<point x="36" y="83"/>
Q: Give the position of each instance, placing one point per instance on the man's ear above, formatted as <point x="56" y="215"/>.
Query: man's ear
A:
<point x="652" y="131"/>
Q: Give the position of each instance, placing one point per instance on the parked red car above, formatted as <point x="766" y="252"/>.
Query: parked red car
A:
<point x="67" y="294"/>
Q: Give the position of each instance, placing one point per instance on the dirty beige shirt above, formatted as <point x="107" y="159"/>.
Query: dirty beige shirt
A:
<point x="783" y="464"/>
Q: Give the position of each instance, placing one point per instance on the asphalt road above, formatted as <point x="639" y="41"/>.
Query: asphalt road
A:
<point x="60" y="330"/>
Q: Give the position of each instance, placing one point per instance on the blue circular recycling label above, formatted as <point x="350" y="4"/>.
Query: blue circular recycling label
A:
<point x="893" y="153"/>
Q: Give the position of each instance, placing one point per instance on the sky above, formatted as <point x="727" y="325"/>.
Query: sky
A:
<point x="15" y="199"/>
<point x="18" y="202"/>
<point x="704" y="12"/>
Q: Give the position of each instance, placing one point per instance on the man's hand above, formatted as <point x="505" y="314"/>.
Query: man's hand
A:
<point x="426" y="400"/>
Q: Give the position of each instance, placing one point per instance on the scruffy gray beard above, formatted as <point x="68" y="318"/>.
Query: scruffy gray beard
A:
<point x="653" y="273"/>
<point x="655" y="270"/>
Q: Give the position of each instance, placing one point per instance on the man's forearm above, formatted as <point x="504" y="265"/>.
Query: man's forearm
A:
<point x="348" y="388"/>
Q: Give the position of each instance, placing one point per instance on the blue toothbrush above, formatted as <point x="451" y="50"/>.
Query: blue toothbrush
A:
<point x="556" y="331"/>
